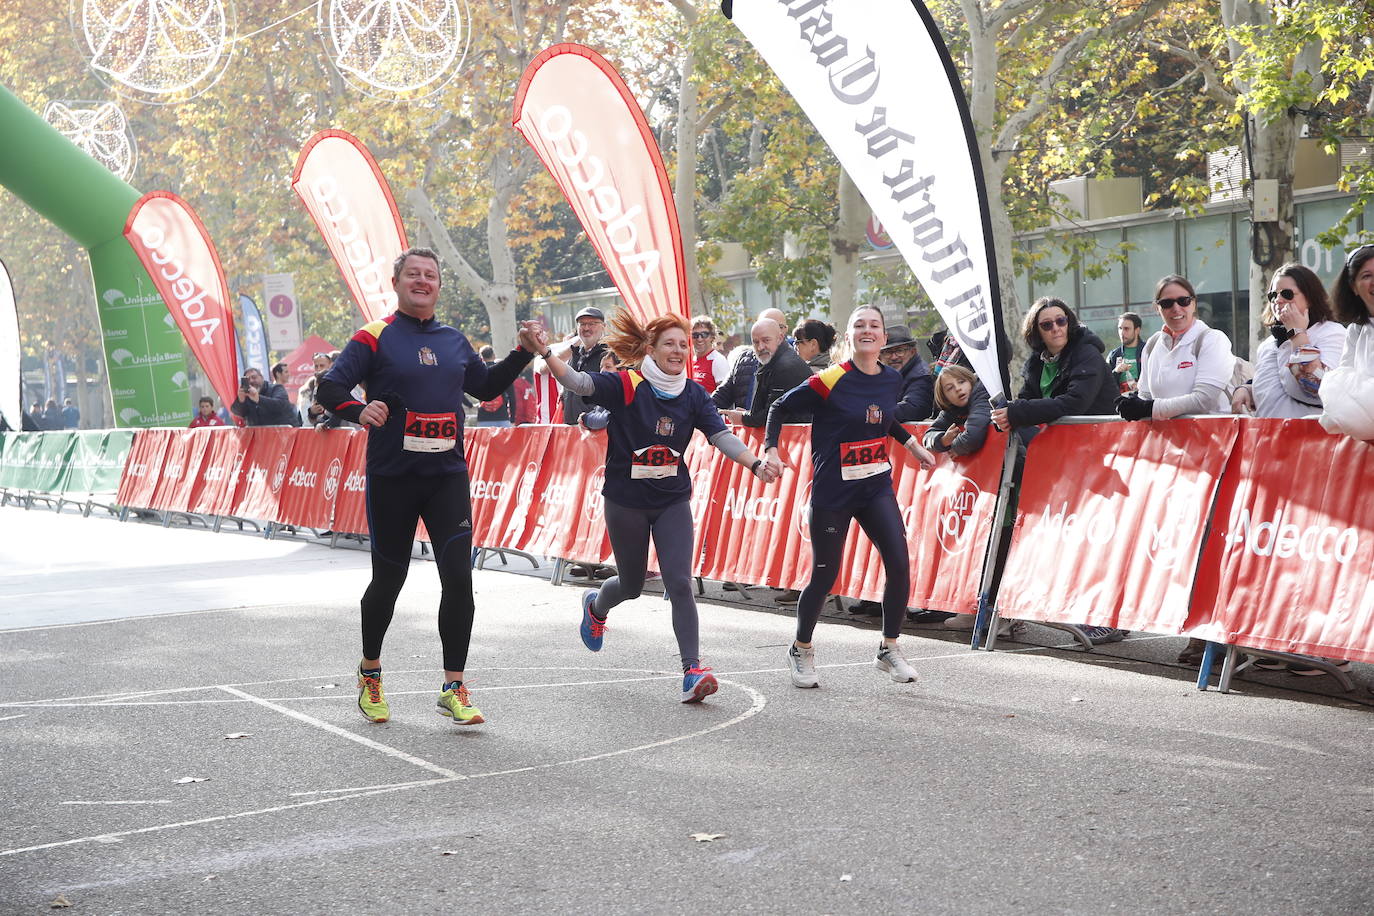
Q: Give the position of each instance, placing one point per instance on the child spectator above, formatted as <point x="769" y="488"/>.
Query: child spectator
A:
<point x="962" y="426"/>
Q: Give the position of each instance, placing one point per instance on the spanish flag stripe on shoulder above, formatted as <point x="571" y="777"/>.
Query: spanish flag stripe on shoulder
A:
<point x="630" y="379"/>
<point x="369" y="332"/>
<point x="825" y="382"/>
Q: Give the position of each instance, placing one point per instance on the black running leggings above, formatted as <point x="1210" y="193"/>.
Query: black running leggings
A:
<point x="673" y="538"/>
<point x="394" y="506"/>
<point x="881" y="520"/>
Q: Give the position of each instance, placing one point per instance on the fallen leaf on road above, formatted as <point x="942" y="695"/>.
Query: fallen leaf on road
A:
<point x="185" y="779"/>
<point x="1075" y="699"/>
<point x="846" y="877"/>
<point x="60" y="903"/>
<point x="1010" y="715"/>
<point x="210" y="877"/>
<point x="325" y="686"/>
<point x="237" y="735"/>
<point x="707" y="837"/>
<point x="449" y="852"/>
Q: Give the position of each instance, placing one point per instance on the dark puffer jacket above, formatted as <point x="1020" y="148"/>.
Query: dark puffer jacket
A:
<point x="1084" y="385"/>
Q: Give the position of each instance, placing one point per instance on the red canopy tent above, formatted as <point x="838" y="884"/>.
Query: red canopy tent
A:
<point x="300" y="363"/>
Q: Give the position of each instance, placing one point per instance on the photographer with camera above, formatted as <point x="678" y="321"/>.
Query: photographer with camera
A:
<point x="262" y="403"/>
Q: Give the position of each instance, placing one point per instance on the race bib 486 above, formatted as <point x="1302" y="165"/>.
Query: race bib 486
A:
<point x="430" y="432"/>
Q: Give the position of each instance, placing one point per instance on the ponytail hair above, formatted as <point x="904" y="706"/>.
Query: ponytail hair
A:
<point x="630" y="341"/>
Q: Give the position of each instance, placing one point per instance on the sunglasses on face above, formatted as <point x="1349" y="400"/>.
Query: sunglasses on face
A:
<point x="1285" y="294"/>
<point x="1182" y="302"/>
<point x="1049" y="324"/>
<point x="701" y="335"/>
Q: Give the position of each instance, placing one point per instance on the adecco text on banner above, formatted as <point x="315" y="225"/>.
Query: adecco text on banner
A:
<point x="556" y="123"/>
<point x="190" y="298"/>
<point x="371" y="271"/>
<point x="1277" y="538"/>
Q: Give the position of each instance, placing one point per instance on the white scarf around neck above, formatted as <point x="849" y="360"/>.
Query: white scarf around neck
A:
<point x="670" y="385"/>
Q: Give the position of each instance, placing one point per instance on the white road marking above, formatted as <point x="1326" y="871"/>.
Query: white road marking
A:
<point x="7" y="718"/>
<point x="344" y="733"/>
<point x="150" y="801"/>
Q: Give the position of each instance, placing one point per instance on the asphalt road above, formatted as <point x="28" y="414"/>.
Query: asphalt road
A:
<point x="1036" y="779"/>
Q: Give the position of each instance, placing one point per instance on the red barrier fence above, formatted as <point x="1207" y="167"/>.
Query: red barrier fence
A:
<point x="1112" y="526"/>
<point x="538" y="489"/>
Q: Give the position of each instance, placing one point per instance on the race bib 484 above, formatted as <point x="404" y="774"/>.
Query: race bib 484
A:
<point x="863" y="459"/>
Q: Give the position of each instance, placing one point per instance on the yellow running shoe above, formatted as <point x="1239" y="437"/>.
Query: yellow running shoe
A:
<point x="454" y="703"/>
<point x="371" y="700"/>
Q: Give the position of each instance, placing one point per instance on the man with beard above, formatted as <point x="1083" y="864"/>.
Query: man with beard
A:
<point x="585" y="356"/>
<point x="917" y="400"/>
<point x="780" y="370"/>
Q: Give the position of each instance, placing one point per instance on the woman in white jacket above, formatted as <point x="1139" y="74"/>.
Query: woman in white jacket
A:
<point x="1348" y="390"/>
<point x="1304" y="344"/>
<point x="1187" y="364"/>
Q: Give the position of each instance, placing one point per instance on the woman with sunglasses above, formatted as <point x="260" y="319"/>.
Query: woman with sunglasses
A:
<point x="1302" y="345"/>
<point x="1187" y="364"/>
<point x="709" y="367"/>
<point x="814" y="340"/>
<point x="1348" y="390"/>
<point x="1066" y="374"/>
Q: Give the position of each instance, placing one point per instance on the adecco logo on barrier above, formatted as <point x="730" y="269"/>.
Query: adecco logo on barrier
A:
<point x="488" y="489"/>
<point x="355" y="482"/>
<point x="1278" y="538"/>
<point x="595" y="505"/>
<point x="331" y="478"/>
<point x="739" y="505"/>
<point x="1167" y="537"/>
<point x="954" y="522"/>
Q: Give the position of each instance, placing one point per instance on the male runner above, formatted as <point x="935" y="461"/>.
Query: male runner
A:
<point x="415" y="371"/>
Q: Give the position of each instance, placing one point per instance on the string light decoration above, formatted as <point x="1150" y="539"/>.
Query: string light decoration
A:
<point x="156" y="50"/>
<point x="98" y="128"/>
<point x="398" y="49"/>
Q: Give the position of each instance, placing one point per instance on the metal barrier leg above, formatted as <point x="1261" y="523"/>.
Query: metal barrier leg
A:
<point x="1209" y="656"/>
<point x="1228" y="668"/>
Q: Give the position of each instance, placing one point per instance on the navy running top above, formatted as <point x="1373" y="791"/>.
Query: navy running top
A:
<point x="852" y="417"/>
<point x="648" y="436"/>
<point x="421" y="370"/>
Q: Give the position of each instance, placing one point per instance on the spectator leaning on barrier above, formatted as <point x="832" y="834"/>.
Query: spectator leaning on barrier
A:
<point x="815" y="338"/>
<point x="709" y="367"/>
<point x="312" y="413"/>
<point x="71" y="417"/>
<point x="500" y="410"/>
<point x="965" y="412"/>
<point x="780" y="370"/>
<point x="1125" y="360"/>
<point x="1302" y="344"/>
<point x="1066" y="374"/>
<point x="205" y="415"/>
<point x="1348" y="390"/>
<point x="262" y="403"/>
<point x="1188" y="366"/>
<point x="917" y="399"/>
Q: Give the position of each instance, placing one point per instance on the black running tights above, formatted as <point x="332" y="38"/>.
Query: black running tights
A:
<point x="394" y="506"/>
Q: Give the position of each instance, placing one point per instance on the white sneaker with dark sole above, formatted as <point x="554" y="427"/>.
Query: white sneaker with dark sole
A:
<point x="891" y="661"/>
<point x="802" y="665"/>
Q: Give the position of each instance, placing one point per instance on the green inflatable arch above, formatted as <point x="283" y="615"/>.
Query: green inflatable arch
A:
<point x="144" y="352"/>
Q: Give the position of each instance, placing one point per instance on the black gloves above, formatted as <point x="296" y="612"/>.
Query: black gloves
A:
<point x="1133" y="407"/>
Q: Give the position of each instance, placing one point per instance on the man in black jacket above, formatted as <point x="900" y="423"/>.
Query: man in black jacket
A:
<point x="917" y="400"/>
<point x="262" y="403"/>
<point x="780" y="370"/>
<point x="585" y="356"/>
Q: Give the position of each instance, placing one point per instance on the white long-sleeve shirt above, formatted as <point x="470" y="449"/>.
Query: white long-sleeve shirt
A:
<point x="1277" y="393"/>
<point x="1348" y="390"/>
<point x="1180" y="380"/>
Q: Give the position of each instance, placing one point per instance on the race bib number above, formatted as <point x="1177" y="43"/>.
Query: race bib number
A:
<point x="430" y="432"/>
<point x="654" y="463"/>
<point x="863" y="459"/>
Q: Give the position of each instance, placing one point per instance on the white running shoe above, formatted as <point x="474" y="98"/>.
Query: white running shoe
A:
<point x="802" y="664"/>
<point x="891" y="661"/>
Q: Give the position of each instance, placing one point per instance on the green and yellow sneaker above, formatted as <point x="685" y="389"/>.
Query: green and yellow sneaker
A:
<point x="371" y="700"/>
<point x="455" y="703"/>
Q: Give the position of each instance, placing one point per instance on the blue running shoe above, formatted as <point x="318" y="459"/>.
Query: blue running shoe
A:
<point x="593" y="631"/>
<point x="698" y="684"/>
